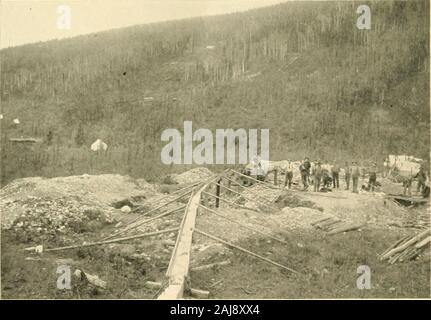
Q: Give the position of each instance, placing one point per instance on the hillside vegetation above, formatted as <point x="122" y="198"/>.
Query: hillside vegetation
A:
<point x="304" y="70"/>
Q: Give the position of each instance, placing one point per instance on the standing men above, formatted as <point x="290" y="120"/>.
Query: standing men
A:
<point x="303" y="168"/>
<point x="372" y="182"/>
<point x="260" y="172"/>
<point x="312" y="166"/>
<point x="335" y="175"/>
<point x="385" y="167"/>
<point x="421" y="176"/>
<point x="307" y="165"/>
<point x="407" y="184"/>
<point x="317" y="176"/>
<point x="347" y="174"/>
<point x="355" y="176"/>
<point x="289" y="174"/>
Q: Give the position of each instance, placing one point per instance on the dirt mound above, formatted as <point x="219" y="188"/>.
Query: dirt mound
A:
<point x="302" y="217"/>
<point x="259" y="192"/>
<point x="43" y="206"/>
<point x="190" y="176"/>
<point x="287" y="199"/>
<point x="102" y="189"/>
<point x="46" y="219"/>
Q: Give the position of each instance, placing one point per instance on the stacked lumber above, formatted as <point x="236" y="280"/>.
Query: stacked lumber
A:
<point x="407" y="248"/>
<point x="333" y="225"/>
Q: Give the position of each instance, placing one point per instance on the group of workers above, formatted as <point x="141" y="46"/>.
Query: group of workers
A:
<point x="422" y="177"/>
<point x="322" y="175"/>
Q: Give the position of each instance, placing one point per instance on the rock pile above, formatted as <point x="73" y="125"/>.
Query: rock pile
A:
<point x="46" y="218"/>
<point x="193" y="175"/>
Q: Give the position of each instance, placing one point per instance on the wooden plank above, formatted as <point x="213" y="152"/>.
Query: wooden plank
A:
<point x="179" y="264"/>
<point x="211" y="265"/>
<point x="345" y="228"/>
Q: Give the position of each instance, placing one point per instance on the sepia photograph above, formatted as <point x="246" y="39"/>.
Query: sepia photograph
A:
<point x="217" y="150"/>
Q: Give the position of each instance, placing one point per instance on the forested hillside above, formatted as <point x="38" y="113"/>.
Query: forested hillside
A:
<point x="304" y="70"/>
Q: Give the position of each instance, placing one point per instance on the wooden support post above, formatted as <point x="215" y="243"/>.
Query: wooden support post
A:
<point x="218" y="193"/>
<point x="229" y="185"/>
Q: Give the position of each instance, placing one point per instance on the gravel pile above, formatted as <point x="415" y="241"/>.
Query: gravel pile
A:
<point x="47" y="218"/>
<point x="193" y="175"/>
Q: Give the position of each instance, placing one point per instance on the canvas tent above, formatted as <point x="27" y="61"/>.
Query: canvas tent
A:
<point x="404" y="164"/>
<point x="99" y="145"/>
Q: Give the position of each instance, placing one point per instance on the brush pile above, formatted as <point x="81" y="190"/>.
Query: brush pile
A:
<point x="408" y="248"/>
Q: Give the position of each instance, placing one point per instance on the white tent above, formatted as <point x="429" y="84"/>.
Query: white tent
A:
<point x="99" y="145"/>
<point x="405" y="163"/>
<point x="16" y="121"/>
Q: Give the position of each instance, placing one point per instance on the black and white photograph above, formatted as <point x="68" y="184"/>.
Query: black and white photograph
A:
<point x="215" y="150"/>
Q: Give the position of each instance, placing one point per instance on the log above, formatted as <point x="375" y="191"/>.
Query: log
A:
<point x="396" y="243"/>
<point x="405" y="245"/>
<point x="349" y="227"/>
<point x="211" y="265"/>
<point x="423" y="243"/>
<point x="199" y="294"/>
<point x="153" y="285"/>
<point x="92" y="279"/>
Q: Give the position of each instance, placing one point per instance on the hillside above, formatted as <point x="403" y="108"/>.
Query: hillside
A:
<point x="303" y="70"/>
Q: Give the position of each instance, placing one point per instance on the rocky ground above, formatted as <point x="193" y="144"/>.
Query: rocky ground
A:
<point x="73" y="210"/>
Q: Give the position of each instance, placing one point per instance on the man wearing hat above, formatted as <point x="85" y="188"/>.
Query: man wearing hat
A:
<point x="289" y="174"/>
<point x="372" y="182"/>
<point x="317" y="176"/>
